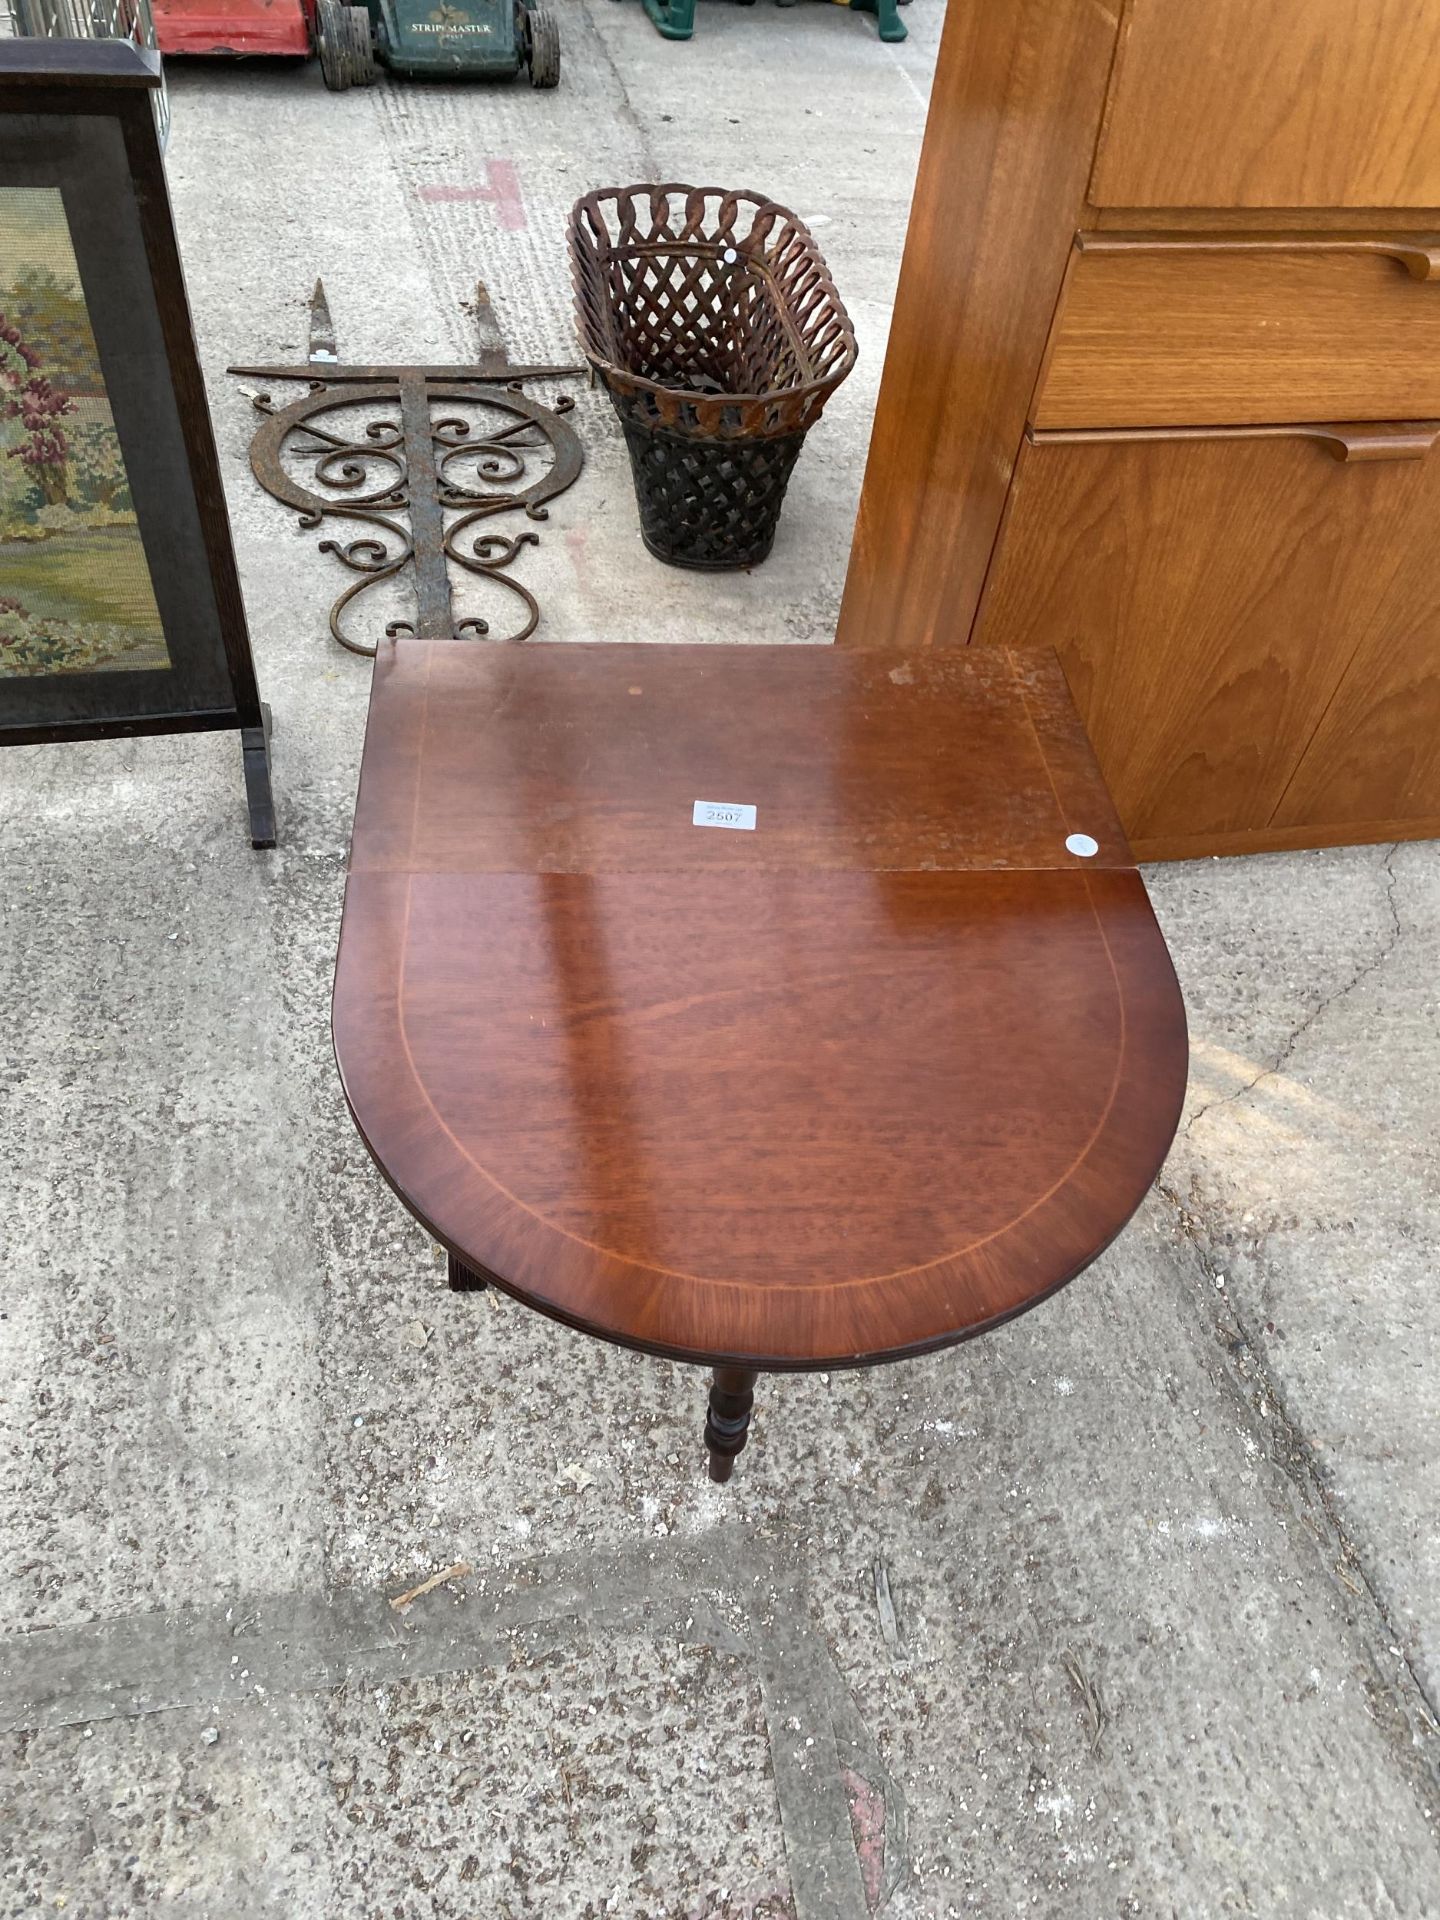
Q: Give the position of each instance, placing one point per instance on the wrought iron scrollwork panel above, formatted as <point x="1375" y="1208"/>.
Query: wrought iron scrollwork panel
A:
<point x="420" y="458"/>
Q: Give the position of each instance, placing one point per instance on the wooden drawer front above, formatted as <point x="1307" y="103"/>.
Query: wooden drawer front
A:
<point x="1218" y="334"/>
<point x="1218" y="597"/>
<point x="1273" y="103"/>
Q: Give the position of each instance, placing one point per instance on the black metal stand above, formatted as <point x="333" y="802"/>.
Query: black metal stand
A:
<point x="255" y="751"/>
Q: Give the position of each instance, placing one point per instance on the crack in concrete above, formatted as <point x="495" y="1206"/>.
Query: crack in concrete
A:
<point x="1286" y="1053"/>
<point x="720" y="1591"/>
<point x="1400" y="1684"/>
<point x="599" y="45"/>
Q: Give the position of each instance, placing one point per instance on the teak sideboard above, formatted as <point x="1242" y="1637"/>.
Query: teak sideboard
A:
<point x="1163" y="392"/>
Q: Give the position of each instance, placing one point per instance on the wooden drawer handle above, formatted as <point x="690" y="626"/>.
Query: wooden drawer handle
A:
<point x="1361" y="442"/>
<point x="1351" y="441"/>
<point x="1420" y="258"/>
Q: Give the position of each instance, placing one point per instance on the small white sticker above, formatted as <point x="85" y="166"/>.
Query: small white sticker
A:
<point x="723" y="813"/>
<point x="1083" y="845"/>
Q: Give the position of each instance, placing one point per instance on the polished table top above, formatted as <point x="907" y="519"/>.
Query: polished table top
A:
<point x="859" y="1081"/>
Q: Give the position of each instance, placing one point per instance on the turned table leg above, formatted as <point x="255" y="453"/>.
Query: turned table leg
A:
<point x="727" y="1424"/>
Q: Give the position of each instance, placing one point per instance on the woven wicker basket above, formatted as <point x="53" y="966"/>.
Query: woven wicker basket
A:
<point x="714" y="324"/>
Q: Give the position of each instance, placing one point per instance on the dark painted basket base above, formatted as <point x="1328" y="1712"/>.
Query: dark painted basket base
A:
<point x="673" y="559"/>
<point x="709" y="504"/>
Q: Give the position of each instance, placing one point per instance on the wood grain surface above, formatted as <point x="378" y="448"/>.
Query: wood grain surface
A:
<point x="1014" y="111"/>
<point x="1262" y="222"/>
<point x="1374" y="760"/>
<point x="1196" y="334"/>
<point x="1205" y="641"/>
<point x="1291" y="103"/>
<point x="552" y="760"/>
<point x="820" y="1095"/>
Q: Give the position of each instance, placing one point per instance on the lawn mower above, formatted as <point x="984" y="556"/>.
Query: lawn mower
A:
<point x="423" y="39"/>
<point x="456" y="39"/>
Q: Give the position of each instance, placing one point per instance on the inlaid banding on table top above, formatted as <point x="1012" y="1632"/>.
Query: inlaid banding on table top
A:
<point x="689" y="1111"/>
<point x="591" y="759"/>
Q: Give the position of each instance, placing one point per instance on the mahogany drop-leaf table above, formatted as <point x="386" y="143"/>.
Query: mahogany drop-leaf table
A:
<point x="842" y="1079"/>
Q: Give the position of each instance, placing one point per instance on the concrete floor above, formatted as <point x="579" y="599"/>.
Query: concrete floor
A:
<point x="1163" y="1555"/>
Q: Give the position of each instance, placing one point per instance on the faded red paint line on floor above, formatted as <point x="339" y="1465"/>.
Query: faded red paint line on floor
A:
<point x="502" y="191"/>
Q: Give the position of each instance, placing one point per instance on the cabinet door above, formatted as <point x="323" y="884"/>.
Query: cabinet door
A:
<point x="1207" y="592"/>
<point x="1372" y="771"/>
<point x="1280" y="103"/>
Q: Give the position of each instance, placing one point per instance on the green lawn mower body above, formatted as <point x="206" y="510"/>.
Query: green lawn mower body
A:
<point x="437" y="40"/>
